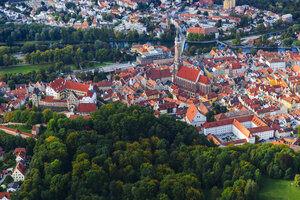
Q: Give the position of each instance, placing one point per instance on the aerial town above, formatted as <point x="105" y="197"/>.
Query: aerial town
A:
<point x="231" y="71"/>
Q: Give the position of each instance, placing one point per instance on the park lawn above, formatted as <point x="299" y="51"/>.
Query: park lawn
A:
<point x="103" y="64"/>
<point x="274" y="189"/>
<point x="21" y="128"/>
<point x="23" y="68"/>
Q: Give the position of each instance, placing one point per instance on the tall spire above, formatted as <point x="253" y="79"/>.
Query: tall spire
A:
<point x="178" y="49"/>
<point x="177" y="38"/>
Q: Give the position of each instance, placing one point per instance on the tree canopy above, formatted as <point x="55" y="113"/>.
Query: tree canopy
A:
<point x="126" y="153"/>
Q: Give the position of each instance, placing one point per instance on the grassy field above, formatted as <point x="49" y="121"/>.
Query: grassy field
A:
<point x="102" y="64"/>
<point x="28" y="68"/>
<point x="273" y="189"/>
<point x="22" y="68"/>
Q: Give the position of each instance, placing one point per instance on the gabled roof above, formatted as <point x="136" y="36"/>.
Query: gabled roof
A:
<point x="200" y="30"/>
<point x="204" y="80"/>
<point x="296" y="68"/>
<point x="77" y="86"/>
<point x="21" y="155"/>
<point x="5" y="194"/>
<point x="18" y="150"/>
<point x="188" y="73"/>
<point x="21" y="168"/>
<point x="252" y="118"/>
<point x="60" y="84"/>
<point x="158" y="74"/>
<point x="192" y="112"/>
<point x="241" y="128"/>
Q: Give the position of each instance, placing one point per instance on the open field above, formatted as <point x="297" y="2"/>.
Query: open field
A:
<point x="23" y="68"/>
<point x="272" y="189"/>
<point x="28" y="68"/>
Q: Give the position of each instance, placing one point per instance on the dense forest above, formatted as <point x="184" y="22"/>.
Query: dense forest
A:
<point x="75" y="54"/>
<point x="12" y="33"/>
<point x="126" y="153"/>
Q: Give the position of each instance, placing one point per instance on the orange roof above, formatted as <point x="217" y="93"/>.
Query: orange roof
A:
<point x="251" y="118"/>
<point x="296" y="68"/>
<point x="188" y="73"/>
<point x="21" y="167"/>
<point x="77" y="86"/>
<point x="200" y="30"/>
<point x="60" y="84"/>
<point x="279" y="143"/>
<point x="204" y="79"/>
<point x="192" y="112"/>
<point x="214" y="138"/>
<point x="5" y="194"/>
<point x="241" y="128"/>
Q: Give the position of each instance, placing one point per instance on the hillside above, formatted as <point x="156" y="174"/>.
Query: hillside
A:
<point x="127" y="153"/>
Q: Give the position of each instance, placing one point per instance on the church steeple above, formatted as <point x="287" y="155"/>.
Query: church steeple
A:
<point x="177" y="58"/>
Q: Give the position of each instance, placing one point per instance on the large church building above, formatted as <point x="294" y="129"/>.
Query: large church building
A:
<point x="188" y="79"/>
<point x="192" y="82"/>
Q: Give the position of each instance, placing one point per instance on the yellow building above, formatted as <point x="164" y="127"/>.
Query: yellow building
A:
<point x="152" y="94"/>
<point x="290" y="103"/>
<point x="229" y="4"/>
<point x="210" y="97"/>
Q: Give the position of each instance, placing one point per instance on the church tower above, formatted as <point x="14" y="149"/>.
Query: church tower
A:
<point x="35" y="97"/>
<point x="168" y="23"/>
<point x="177" y="58"/>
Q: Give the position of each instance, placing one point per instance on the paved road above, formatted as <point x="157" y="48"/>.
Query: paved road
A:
<point x="109" y="68"/>
<point x="11" y="123"/>
<point x="2" y="180"/>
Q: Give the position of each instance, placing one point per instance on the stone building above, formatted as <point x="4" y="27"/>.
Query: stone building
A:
<point x="229" y="4"/>
<point x="192" y="82"/>
<point x="177" y="58"/>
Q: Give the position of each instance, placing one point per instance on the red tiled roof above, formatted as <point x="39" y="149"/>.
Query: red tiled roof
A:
<point x="16" y="131"/>
<point x="21" y="167"/>
<point x="204" y="79"/>
<point x="200" y="30"/>
<point x="214" y="138"/>
<point x="104" y="83"/>
<point x="241" y="128"/>
<point x="5" y="194"/>
<point x="60" y="84"/>
<point x="21" y="91"/>
<point x="275" y="60"/>
<point x="151" y="92"/>
<point x="188" y="73"/>
<point x="252" y="118"/>
<point x="3" y="84"/>
<point x="158" y="74"/>
<point x="77" y="86"/>
<point x="18" y="150"/>
<point x="86" y="107"/>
